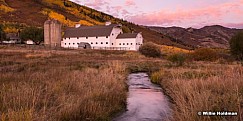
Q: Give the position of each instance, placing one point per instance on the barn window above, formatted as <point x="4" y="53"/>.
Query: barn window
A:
<point x="107" y="43"/>
<point x="119" y="43"/>
<point x="77" y="43"/>
<point x="127" y="43"/>
<point x="123" y="43"/>
<point x="91" y="42"/>
<point x="64" y="38"/>
<point x="131" y="43"/>
<point x="73" y="43"/>
<point x="111" y="43"/>
<point x="106" y="36"/>
<point x="112" y="34"/>
<point x="69" y="43"/>
<point x="69" y="37"/>
<point x="77" y="37"/>
<point x="65" y="43"/>
<point x="96" y="42"/>
<point x="96" y="37"/>
<point x="86" y="37"/>
<point x="101" y="42"/>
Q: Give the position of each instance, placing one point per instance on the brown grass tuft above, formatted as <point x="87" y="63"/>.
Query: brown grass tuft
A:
<point x="56" y="86"/>
<point x="207" y="88"/>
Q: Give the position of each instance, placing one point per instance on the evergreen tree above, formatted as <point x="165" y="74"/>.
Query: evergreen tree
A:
<point x="236" y="46"/>
<point x="2" y="34"/>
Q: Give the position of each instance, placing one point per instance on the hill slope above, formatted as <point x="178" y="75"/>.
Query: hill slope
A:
<point x="35" y="12"/>
<point x="209" y="36"/>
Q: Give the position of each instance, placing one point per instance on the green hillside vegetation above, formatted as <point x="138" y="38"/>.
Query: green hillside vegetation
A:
<point x="36" y="12"/>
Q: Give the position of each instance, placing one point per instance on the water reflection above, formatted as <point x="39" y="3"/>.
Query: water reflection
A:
<point x="145" y="102"/>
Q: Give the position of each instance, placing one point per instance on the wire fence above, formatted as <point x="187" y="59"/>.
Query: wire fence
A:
<point x="46" y="47"/>
<point x="110" y="48"/>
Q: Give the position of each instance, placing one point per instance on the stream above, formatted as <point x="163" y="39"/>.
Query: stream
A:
<point x="145" y="101"/>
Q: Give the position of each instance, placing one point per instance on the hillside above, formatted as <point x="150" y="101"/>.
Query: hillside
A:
<point x="16" y="14"/>
<point x="209" y="36"/>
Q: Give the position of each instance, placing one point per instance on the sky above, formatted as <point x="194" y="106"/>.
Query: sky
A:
<point x="167" y="13"/>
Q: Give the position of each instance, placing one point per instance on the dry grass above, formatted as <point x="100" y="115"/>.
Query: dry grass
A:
<point x="51" y="85"/>
<point x="203" y="87"/>
<point x="167" y="50"/>
<point x="42" y="84"/>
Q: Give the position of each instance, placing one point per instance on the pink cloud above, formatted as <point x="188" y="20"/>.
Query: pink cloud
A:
<point x="98" y="3"/>
<point x="234" y="25"/>
<point x="193" y="17"/>
<point x="129" y="3"/>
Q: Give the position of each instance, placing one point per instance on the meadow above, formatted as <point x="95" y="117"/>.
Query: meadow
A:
<point x="39" y="84"/>
<point x="203" y="87"/>
<point x="43" y="84"/>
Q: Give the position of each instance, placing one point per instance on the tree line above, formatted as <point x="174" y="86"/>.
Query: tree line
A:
<point x="29" y="33"/>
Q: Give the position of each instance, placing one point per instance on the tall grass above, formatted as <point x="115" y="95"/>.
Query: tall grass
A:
<point x="207" y="87"/>
<point x="53" y="87"/>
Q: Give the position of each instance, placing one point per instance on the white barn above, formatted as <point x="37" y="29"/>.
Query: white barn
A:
<point x="109" y="37"/>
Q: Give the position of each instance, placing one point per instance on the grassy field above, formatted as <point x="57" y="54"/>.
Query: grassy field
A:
<point x="202" y="87"/>
<point x="39" y="84"/>
<point x="42" y="84"/>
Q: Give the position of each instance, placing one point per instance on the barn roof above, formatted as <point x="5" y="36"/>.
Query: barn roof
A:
<point x="90" y="31"/>
<point x="127" y="35"/>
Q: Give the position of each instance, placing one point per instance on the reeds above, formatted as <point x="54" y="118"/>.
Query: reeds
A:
<point x="59" y="87"/>
<point x="210" y="87"/>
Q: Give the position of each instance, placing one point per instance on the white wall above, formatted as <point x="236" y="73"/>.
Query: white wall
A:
<point x="128" y="43"/>
<point x="116" y="31"/>
<point x="93" y="41"/>
<point x="139" y="41"/>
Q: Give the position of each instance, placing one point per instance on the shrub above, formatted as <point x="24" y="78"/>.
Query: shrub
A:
<point x="157" y="76"/>
<point x="178" y="58"/>
<point x="236" y="46"/>
<point x="205" y="54"/>
<point x="150" y="50"/>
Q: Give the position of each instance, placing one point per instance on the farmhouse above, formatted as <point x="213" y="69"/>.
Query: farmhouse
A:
<point x="13" y="38"/>
<point x="109" y="36"/>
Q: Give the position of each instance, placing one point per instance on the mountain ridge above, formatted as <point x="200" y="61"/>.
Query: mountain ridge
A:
<point x="36" y="12"/>
<point x="16" y="14"/>
<point x="214" y="36"/>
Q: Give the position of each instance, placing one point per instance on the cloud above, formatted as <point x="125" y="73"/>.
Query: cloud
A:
<point x="234" y="25"/>
<point x="97" y="4"/>
<point x="116" y="10"/>
<point x="191" y="17"/>
<point x="130" y="3"/>
<point x="227" y="12"/>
